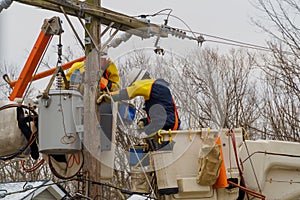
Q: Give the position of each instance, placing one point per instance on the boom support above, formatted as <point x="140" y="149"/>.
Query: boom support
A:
<point x="50" y="27"/>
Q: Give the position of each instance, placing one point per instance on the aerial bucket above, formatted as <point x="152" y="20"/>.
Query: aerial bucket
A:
<point x="60" y="122"/>
<point x="166" y="172"/>
<point x="140" y="181"/>
<point x="10" y="134"/>
<point x="141" y="169"/>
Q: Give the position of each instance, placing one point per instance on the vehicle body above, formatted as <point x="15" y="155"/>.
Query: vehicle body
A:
<point x="261" y="169"/>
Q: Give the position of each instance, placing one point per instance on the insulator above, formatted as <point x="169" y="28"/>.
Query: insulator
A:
<point x="117" y="41"/>
<point x="59" y="81"/>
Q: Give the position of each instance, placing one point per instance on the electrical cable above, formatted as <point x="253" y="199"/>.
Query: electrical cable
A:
<point x="225" y="39"/>
<point x="25" y="189"/>
<point x="72" y="27"/>
<point x="239" y="45"/>
<point x="124" y="191"/>
<point x="155" y="14"/>
<point x="229" y="41"/>
<point x="35" y="167"/>
<point x="82" y="8"/>
<point x="67" y="176"/>
<point x="193" y="33"/>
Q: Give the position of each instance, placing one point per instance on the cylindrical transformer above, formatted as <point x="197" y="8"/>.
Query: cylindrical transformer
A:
<point x="60" y="122"/>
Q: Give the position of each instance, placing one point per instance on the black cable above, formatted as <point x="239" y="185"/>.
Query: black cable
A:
<point x="32" y="188"/>
<point x="155" y="14"/>
<point x="124" y="191"/>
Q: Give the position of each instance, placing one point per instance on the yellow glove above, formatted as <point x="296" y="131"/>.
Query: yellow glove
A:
<point x="104" y="98"/>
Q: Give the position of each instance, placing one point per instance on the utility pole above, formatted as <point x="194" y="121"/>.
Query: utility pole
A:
<point x="91" y="135"/>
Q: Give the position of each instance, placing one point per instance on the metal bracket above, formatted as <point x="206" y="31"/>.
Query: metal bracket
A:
<point x="52" y="26"/>
<point x="87" y="41"/>
<point x="46" y="102"/>
<point x="88" y="20"/>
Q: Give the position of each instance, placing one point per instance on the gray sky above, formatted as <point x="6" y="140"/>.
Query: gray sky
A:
<point x="20" y="25"/>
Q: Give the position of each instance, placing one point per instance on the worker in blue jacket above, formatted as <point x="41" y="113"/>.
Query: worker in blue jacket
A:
<point x="159" y="104"/>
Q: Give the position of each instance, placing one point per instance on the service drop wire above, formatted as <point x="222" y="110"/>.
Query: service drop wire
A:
<point x="128" y="192"/>
<point x="30" y="187"/>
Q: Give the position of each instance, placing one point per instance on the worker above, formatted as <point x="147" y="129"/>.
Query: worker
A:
<point x="75" y="75"/>
<point x="109" y="80"/>
<point x="159" y="104"/>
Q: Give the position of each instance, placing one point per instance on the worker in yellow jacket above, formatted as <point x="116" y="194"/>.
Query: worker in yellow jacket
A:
<point x="159" y="104"/>
<point x="109" y="80"/>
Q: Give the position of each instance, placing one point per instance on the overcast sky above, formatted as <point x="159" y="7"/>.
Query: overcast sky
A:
<point x="20" y="25"/>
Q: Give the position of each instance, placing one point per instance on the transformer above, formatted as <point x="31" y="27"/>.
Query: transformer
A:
<point x="60" y="122"/>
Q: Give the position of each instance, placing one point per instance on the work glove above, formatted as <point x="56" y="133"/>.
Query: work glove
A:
<point x="104" y="97"/>
<point x="142" y="123"/>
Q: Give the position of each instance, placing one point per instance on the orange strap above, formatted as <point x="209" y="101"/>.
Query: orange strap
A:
<point x="175" y="127"/>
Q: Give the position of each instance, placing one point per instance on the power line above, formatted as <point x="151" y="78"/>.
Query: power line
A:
<point x="223" y="40"/>
<point x="238" y="43"/>
<point x="30" y="187"/>
<point x="231" y="42"/>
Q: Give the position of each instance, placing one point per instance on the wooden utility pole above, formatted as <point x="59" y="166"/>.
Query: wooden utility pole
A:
<point x="91" y="133"/>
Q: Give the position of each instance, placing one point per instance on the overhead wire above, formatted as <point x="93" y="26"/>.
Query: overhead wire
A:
<point x="227" y="41"/>
<point x="25" y="189"/>
<point x="30" y="187"/>
<point x="238" y="45"/>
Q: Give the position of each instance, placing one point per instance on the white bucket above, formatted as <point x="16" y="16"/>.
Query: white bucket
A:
<point x="10" y="134"/>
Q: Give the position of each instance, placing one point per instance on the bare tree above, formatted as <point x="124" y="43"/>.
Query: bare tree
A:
<point x="282" y="68"/>
<point x="217" y="91"/>
<point x="12" y="72"/>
